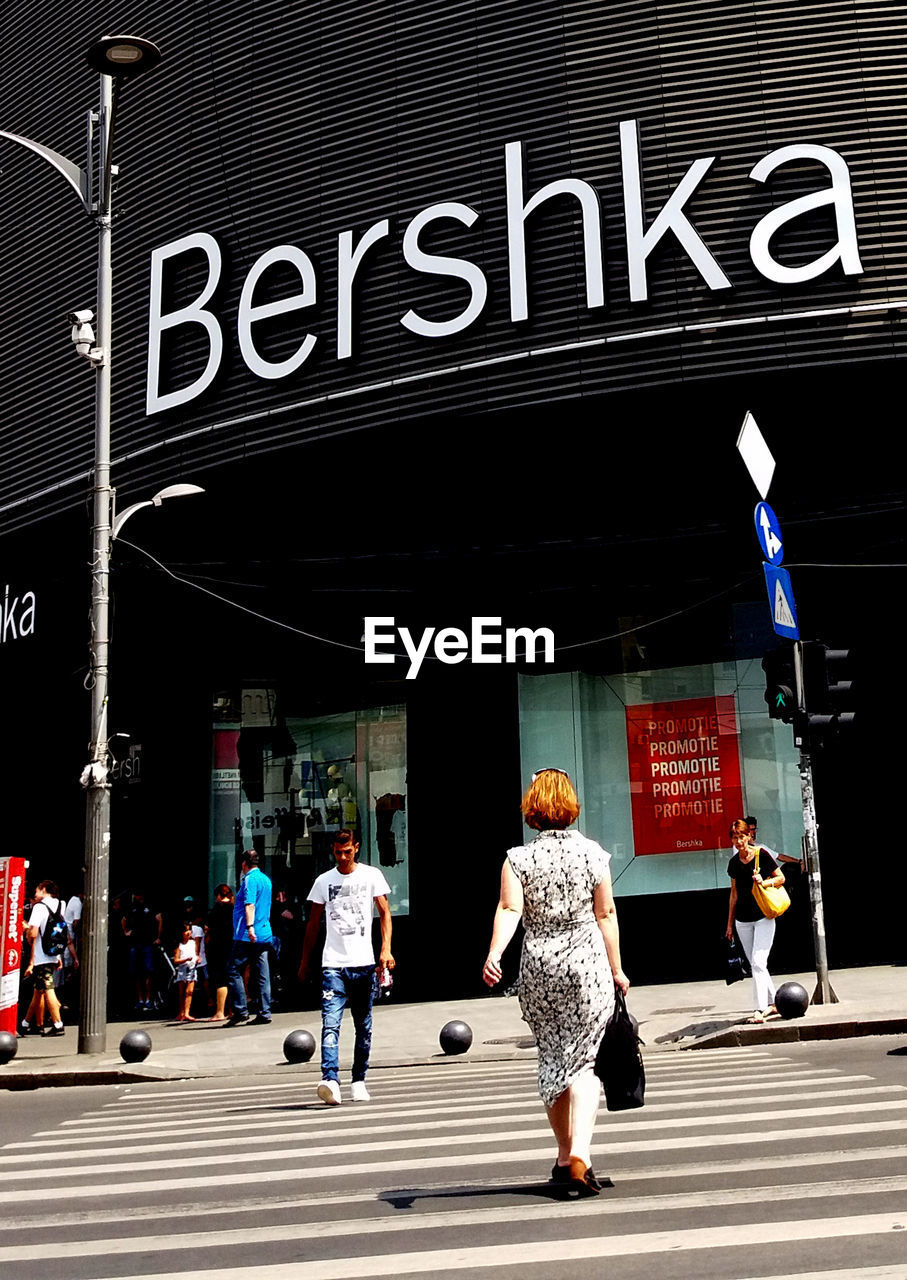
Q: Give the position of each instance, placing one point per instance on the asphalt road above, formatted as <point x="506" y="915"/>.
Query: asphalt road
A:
<point x="765" y="1162"/>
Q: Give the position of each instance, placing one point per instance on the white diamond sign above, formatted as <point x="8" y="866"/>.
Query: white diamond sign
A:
<point x="756" y="455"/>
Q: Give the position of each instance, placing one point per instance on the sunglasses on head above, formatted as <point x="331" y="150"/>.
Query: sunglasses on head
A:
<point x="550" y="769"/>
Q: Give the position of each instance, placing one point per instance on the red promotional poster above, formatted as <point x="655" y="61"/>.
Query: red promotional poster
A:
<point x="684" y="764"/>
<point x="12" y="901"/>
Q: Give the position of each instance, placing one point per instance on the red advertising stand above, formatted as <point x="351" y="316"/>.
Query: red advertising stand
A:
<point x="12" y="901"/>
<point x="684" y="761"/>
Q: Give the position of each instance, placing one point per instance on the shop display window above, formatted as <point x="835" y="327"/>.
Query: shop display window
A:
<point x="663" y="762"/>
<point x="286" y="784"/>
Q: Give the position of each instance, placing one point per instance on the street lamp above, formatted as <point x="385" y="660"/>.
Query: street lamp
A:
<point x="172" y="491"/>
<point x="116" y="58"/>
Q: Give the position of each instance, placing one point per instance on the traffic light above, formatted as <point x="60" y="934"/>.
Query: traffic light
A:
<point x="828" y="688"/>
<point x="780" y="684"/>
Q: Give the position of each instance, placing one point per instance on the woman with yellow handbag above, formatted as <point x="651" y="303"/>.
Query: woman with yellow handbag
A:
<point x="755" y="881"/>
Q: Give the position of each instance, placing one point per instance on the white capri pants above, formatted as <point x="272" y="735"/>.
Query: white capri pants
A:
<point x="756" y="938"/>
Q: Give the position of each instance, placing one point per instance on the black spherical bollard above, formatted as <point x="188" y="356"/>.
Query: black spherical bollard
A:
<point x="299" y="1046"/>
<point x="791" y="1000"/>
<point x="9" y="1047"/>
<point x="455" y="1037"/>
<point x="135" y="1046"/>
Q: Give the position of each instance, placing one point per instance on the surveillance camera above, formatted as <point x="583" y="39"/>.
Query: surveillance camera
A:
<point x="83" y="335"/>
<point x="79" y="317"/>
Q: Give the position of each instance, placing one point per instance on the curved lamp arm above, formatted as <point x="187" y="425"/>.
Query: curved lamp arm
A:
<point x="76" y="177"/>
<point x="172" y="491"/>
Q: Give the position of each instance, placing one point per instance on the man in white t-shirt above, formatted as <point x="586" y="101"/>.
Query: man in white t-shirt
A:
<point x="41" y="966"/>
<point x="346" y="897"/>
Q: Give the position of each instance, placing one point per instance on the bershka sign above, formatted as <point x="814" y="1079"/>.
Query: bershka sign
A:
<point x="17" y="615"/>
<point x="355" y="249"/>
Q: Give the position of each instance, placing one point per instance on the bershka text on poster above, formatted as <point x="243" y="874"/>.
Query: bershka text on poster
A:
<point x="167" y="329"/>
<point x="485" y="642"/>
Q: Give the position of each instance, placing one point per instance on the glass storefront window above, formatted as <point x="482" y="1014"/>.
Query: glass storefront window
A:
<point x="664" y="761"/>
<point x="286" y="784"/>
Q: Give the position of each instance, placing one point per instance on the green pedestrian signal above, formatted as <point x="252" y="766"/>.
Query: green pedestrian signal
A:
<point x="780" y="683"/>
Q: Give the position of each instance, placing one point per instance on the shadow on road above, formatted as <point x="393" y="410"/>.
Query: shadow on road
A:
<point x="405" y="1199"/>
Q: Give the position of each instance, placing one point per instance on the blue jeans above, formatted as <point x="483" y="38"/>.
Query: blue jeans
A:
<point x="339" y="987"/>
<point x="255" y="955"/>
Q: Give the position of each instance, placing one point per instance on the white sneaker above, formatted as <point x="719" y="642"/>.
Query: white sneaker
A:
<point x="358" y="1092"/>
<point x="329" y="1092"/>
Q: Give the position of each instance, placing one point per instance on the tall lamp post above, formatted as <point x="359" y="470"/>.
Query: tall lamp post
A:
<point x="117" y="59"/>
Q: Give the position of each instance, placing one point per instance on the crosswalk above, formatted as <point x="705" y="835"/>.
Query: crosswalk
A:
<point x="743" y="1163"/>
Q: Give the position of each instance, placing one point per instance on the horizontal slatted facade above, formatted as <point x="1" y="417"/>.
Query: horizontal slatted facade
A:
<point x="272" y="123"/>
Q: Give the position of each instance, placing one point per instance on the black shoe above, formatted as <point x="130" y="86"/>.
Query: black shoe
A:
<point x="239" y="1021"/>
<point x="259" y="1021"/>
<point x="54" y="1031"/>
<point x="560" y="1174"/>
<point x="31" y="1031"/>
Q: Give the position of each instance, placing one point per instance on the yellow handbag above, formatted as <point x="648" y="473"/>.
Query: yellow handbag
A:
<point x="770" y="901"/>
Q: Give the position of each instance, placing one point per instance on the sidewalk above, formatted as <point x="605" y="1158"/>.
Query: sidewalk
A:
<point x="672" y="1016"/>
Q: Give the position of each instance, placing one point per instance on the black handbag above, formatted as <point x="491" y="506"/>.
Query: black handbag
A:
<point x="618" y="1063"/>
<point x="737" y="967"/>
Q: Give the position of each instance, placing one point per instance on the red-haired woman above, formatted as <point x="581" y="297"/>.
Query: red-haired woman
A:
<point x="560" y="886"/>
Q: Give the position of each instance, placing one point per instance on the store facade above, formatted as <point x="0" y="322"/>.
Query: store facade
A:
<point x="455" y="317"/>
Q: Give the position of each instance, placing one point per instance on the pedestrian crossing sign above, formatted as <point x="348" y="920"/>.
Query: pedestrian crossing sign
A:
<point x="781" y="601"/>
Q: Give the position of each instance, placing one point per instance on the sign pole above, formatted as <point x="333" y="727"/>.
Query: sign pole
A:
<point x="759" y="462"/>
<point x="824" y="993"/>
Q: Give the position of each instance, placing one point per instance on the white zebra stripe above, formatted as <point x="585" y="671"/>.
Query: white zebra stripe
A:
<point x="396" y="1166"/>
<point x="712" y="1060"/>
<point x="384" y="1095"/>
<point x="465" y="1219"/>
<point x="523" y="1111"/>
<point x="559" y="1251"/>
<point x="316" y="1201"/>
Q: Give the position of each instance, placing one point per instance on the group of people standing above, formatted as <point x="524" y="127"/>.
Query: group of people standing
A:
<point x="230" y="953"/>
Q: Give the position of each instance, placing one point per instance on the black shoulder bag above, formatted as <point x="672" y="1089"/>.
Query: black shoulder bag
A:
<point x="618" y="1063"/>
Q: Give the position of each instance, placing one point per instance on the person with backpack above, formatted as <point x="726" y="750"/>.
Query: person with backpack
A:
<point x="48" y="934"/>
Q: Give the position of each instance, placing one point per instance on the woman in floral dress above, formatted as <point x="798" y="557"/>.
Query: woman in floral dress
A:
<point x="560" y="886"/>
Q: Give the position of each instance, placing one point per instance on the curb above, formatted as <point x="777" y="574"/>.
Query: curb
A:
<point x="20" y="1080"/>
<point x="794" y="1032"/>
<point x="75" y="1079"/>
<point x="13" y="1077"/>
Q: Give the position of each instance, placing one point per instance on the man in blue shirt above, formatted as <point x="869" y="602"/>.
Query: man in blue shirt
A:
<point x="252" y="941"/>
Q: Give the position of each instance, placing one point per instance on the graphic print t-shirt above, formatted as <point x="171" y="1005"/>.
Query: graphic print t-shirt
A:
<point x="40" y="914"/>
<point x="349" y="904"/>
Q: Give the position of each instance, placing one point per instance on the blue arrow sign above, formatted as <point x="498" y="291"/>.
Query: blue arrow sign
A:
<point x="768" y="531"/>
<point x="781" y="602"/>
